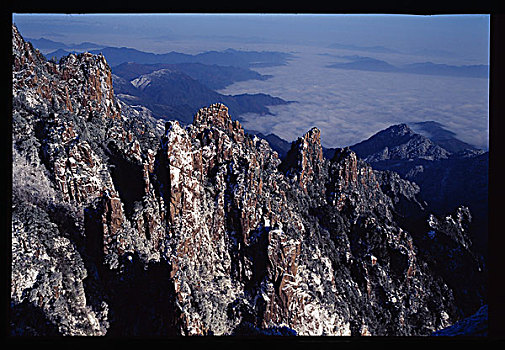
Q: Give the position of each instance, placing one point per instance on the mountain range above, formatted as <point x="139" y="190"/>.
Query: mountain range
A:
<point x="213" y="76"/>
<point x="379" y="49"/>
<point x="363" y="63"/>
<point x="121" y="226"/>
<point x="171" y="92"/>
<point x="47" y="44"/>
<point x="179" y="84"/>
<point x="443" y="166"/>
<point x="228" y="57"/>
<point x="433" y="158"/>
<point x="383" y="49"/>
<point x="441" y="136"/>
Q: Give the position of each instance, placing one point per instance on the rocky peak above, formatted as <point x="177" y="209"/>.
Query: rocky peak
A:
<point x="311" y="145"/>
<point x="454" y="225"/>
<point x="399" y="130"/>
<point x="344" y="153"/>
<point x="215" y="115"/>
<point x="81" y="83"/>
<point x="313" y="136"/>
<point x="347" y="162"/>
<point x="398" y="142"/>
<point x="97" y="92"/>
<point x="305" y="160"/>
<point x="23" y="52"/>
<point x="354" y="185"/>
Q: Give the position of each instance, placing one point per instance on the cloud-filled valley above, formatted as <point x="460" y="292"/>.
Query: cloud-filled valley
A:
<point x="351" y="105"/>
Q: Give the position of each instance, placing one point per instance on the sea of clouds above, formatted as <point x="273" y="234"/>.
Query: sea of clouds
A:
<point x="349" y="106"/>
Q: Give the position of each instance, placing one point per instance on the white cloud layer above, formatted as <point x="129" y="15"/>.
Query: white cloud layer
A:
<point x="350" y="106"/>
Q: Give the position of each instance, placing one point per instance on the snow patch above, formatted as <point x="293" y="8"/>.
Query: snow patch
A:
<point x="141" y="82"/>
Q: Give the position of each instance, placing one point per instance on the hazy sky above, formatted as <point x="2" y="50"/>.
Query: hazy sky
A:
<point x="462" y="35"/>
<point x="348" y="106"/>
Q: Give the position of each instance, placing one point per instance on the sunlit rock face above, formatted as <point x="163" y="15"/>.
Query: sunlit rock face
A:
<point x="121" y="226"/>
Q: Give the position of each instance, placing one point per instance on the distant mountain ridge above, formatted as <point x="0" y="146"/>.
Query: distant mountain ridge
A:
<point x="398" y="142"/>
<point x="380" y="49"/>
<point x="213" y="76"/>
<point x="46" y="44"/>
<point x="424" y="68"/>
<point x="427" y="140"/>
<point x="441" y="136"/>
<point x="446" y="176"/>
<point x="430" y="68"/>
<point x="172" y="94"/>
<point x="228" y="57"/>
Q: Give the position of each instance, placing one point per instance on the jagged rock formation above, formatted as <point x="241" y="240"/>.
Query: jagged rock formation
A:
<point x="118" y="230"/>
<point x="444" y="175"/>
<point x="398" y="142"/>
<point x="68" y="134"/>
<point x="279" y="145"/>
